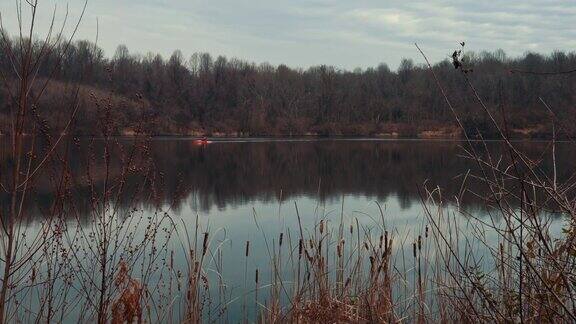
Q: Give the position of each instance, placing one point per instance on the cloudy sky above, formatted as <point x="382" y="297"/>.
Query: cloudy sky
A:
<point x="343" y="33"/>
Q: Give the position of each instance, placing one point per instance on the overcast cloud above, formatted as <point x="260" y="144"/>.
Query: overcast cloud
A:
<point x="343" y="33"/>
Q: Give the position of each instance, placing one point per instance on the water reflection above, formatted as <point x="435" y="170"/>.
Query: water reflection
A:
<point x="247" y="190"/>
<point x="235" y="173"/>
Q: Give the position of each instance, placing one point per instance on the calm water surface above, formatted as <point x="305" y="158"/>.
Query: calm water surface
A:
<point x="248" y="190"/>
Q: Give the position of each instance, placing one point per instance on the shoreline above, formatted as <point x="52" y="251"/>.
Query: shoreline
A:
<point x="232" y="137"/>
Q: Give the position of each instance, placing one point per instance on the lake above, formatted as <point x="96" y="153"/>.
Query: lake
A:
<point x="259" y="189"/>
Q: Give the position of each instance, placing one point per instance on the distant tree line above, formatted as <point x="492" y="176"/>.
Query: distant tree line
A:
<point x="202" y="94"/>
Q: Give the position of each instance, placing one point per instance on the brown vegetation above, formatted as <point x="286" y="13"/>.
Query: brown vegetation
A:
<point x="119" y="266"/>
<point x="229" y="97"/>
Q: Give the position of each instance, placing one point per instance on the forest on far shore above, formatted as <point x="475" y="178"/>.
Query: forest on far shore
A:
<point x="222" y="96"/>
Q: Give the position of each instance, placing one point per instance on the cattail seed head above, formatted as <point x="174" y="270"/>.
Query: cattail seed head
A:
<point x="205" y="244"/>
<point x="419" y="242"/>
<point x="340" y="248"/>
<point x="281" y="239"/>
<point x="247" y="248"/>
<point x="386" y="242"/>
<point x="372" y="265"/>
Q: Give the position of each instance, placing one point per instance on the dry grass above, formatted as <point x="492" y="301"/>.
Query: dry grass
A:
<point x="106" y="259"/>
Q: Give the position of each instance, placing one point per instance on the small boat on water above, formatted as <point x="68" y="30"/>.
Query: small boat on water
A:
<point x="201" y="141"/>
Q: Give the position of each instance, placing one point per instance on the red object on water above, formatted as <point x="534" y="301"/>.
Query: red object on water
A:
<point x="202" y="141"/>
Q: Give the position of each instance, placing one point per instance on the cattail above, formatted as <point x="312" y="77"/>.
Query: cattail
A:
<point x="281" y="238"/>
<point x="321" y="226"/>
<point x="247" y="248"/>
<point x="419" y="242"/>
<point x="351" y="228"/>
<point x="300" y="247"/>
<point x="426" y="231"/>
<point x="366" y="246"/>
<point x="414" y="249"/>
<point x="386" y="241"/>
<point x="205" y="244"/>
<point x="33" y="276"/>
<point x="256" y="278"/>
<point x="381" y="241"/>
